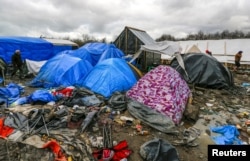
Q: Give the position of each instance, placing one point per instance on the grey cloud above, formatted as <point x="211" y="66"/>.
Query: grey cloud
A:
<point x="109" y="17"/>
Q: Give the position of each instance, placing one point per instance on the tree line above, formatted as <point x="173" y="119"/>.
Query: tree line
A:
<point x="226" y="34"/>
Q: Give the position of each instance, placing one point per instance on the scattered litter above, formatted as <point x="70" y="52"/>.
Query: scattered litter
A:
<point x="209" y="104"/>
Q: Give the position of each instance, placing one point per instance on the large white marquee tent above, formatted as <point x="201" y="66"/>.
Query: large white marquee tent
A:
<point x="223" y="50"/>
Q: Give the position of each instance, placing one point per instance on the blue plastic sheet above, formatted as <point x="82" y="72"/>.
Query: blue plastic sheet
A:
<point x="97" y="52"/>
<point x="41" y="95"/>
<point x="245" y="84"/>
<point x="20" y="101"/>
<point x="31" y="48"/>
<point x="229" y="135"/>
<point x="10" y="93"/>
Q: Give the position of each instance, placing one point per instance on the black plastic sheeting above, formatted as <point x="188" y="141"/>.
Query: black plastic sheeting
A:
<point x="204" y="71"/>
<point x="151" y="117"/>
<point x="158" y="150"/>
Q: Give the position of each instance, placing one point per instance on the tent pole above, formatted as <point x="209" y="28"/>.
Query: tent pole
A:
<point x="225" y="52"/>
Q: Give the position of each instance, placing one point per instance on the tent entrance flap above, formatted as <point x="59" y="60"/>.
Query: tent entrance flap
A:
<point x="137" y="54"/>
<point x="181" y="62"/>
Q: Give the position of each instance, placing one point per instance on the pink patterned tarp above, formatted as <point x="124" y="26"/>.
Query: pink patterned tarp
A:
<point x="164" y="90"/>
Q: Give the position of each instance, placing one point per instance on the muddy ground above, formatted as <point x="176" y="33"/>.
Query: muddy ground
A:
<point x="208" y="108"/>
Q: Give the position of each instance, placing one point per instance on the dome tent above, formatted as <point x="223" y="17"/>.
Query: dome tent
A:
<point x="62" y="70"/>
<point x="109" y="76"/>
<point x="163" y="90"/>
<point x="204" y="70"/>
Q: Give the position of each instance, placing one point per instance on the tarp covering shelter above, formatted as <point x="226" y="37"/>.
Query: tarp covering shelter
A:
<point x="31" y="48"/>
<point x="109" y="76"/>
<point x="164" y="90"/>
<point x="62" y="70"/>
<point x="204" y="70"/>
<point x="97" y="52"/>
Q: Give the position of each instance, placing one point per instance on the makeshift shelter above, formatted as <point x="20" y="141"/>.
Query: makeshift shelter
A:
<point x="97" y="52"/>
<point x="130" y="41"/>
<point x="204" y="70"/>
<point x="109" y="76"/>
<point x="62" y="70"/>
<point x="163" y="90"/>
<point x="31" y="48"/>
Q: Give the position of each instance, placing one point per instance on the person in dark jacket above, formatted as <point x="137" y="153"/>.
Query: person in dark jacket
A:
<point x="237" y="59"/>
<point x="209" y="52"/>
<point x="17" y="63"/>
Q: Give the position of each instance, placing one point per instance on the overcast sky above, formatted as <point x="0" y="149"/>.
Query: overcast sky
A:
<point x="107" y="18"/>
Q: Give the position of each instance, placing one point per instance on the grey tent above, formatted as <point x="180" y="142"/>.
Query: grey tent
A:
<point x="204" y="70"/>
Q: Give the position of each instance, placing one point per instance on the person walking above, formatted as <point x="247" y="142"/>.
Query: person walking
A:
<point x="237" y="59"/>
<point x="17" y="64"/>
<point x="208" y="52"/>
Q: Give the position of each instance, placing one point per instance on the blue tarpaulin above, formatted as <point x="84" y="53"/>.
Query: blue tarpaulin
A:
<point x="61" y="70"/>
<point x="31" y="48"/>
<point x="228" y="135"/>
<point x="97" y="52"/>
<point x="41" y="95"/>
<point x="110" y="75"/>
<point x="10" y="93"/>
<point x="58" y="49"/>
